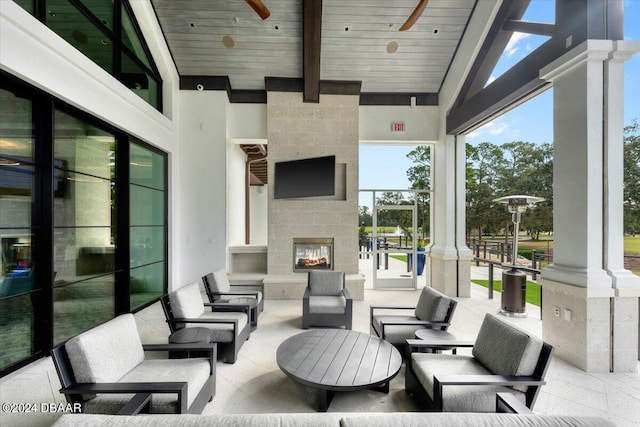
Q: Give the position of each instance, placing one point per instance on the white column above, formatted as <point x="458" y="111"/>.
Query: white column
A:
<point x="624" y="307"/>
<point x="588" y="257"/>
<point x="449" y="255"/>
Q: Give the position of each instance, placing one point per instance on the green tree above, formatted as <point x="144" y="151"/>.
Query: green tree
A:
<point x="364" y="217"/>
<point x="391" y="218"/>
<point x="632" y="178"/>
<point x="484" y="161"/>
<point x="419" y="176"/>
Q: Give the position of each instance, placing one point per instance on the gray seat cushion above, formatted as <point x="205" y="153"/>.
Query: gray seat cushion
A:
<point x="194" y="371"/>
<point x="326" y="282"/>
<point x="222" y="332"/>
<point x="396" y="334"/>
<point x="505" y="349"/>
<point x="458" y="398"/>
<point x="432" y="305"/>
<point x="327" y="304"/>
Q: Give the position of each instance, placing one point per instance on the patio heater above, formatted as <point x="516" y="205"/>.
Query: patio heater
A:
<point x="514" y="282"/>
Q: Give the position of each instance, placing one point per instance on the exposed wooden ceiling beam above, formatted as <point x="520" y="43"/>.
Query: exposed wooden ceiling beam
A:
<point x="311" y="35"/>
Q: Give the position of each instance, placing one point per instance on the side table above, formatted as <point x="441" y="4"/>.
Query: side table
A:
<point x="438" y="338"/>
<point x="189" y="336"/>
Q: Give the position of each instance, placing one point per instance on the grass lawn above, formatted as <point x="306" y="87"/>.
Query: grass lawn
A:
<point x="533" y="289"/>
<point x="632" y="244"/>
<point x="400" y="257"/>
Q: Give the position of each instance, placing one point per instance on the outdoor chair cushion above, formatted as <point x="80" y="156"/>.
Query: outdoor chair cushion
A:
<point x="432" y="305"/>
<point x="320" y="304"/>
<point x="505" y="349"/>
<point x="194" y="371"/>
<point x="221" y="332"/>
<point x="461" y="398"/>
<point x="220" y="283"/>
<point x="396" y="334"/>
<point x="326" y="282"/>
<point x="187" y="302"/>
<point x="107" y="352"/>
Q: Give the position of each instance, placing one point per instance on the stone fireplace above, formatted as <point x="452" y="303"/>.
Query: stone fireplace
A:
<point x="302" y="231"/>
<point x="312" y="254"/>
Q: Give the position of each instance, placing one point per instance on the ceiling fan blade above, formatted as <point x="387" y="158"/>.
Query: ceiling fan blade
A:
<point x="414" y="15"/>
<point x="260" y="8"/>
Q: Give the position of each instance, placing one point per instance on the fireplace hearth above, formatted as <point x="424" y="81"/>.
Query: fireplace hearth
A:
<point x="312" y="254"/>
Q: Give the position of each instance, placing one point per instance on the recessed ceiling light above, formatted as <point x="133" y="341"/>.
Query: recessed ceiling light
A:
<point x="228" y="42"/>
<point x="392" y="46"/>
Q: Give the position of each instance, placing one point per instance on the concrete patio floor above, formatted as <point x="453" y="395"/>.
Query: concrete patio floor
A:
<point x="254" y="384"/>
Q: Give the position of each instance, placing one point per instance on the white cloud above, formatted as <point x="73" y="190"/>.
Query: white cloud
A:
<point x="512" y="47"/>
<point x="492" y="128"/>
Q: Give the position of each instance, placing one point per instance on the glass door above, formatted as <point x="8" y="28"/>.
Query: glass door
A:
<point x="394" y="246"/>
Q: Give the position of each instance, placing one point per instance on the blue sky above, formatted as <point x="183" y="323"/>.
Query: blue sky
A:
<point x="385" y="166"/>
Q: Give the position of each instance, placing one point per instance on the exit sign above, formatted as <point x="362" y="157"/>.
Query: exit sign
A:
<point x="397" y="127"/>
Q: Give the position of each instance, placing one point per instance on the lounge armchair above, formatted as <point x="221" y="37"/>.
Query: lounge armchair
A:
<point x="433" y="310"/>
<point x="104" y="370"/>
<point x="219" y="289"/>
<point x="326" y="300"/>
<point x="504" y="359"/>
<point x="184" y="308"/>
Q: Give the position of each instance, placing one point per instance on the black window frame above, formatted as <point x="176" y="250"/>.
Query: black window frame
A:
<point x="44" y="106"/>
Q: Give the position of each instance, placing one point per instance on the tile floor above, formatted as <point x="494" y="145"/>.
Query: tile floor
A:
<point x="254" y="384"/>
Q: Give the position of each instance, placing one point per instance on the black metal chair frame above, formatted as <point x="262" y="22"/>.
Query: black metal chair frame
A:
<point x="217" y="296"/>
<point x="227" y="351"/>
<point x="327" y="319"/>
<point x="533" y="382"/>
<point x="141" y="402"/>
<point x="443" y="326"/>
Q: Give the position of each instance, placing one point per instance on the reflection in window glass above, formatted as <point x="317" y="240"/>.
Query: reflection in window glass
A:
<point x="139" y="81"/>
<point x="26" y="5"/>
<point x="148" y="225"/>
<point x="131" y="40"/>
<point x="146" y="168"/>
<point x="83" y="233"/>
<point x="80" y="306"/>
<point x="16" y="228"/>
<point x="73" y="26"/>
<point x="147" y="283"/>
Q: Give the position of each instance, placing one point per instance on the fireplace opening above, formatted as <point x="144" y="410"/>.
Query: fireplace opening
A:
<point x="312" y="254"/>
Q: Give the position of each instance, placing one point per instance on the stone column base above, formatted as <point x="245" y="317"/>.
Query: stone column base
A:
<point x="590" y="328"/>
<point x="451" y="276"/>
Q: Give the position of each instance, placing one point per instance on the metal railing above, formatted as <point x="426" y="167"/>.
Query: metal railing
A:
<point x="527" y="270"/>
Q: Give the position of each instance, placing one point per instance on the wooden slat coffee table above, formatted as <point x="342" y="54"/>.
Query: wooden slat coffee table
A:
<point x="339" y="360"/>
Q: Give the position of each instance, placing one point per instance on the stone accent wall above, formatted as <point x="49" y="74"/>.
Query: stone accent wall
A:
<point x="298" y="130"/>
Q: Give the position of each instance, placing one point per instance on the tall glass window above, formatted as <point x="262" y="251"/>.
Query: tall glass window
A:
<point x="91" y="26"/>
<point x="147" y="172"/>
<point x="84" y="232"/>
<point x="17" y="185"/>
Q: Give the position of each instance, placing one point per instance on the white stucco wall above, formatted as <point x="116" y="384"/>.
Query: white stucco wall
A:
<point x="421" y="124"/>
<point x="235" y="194"/>
<point x="203" y="180"/>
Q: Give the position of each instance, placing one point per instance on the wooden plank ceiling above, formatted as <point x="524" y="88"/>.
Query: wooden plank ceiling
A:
<point x="360" y="41"/>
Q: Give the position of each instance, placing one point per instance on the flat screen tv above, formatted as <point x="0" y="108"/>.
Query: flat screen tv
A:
<point x="305" y="178"/>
